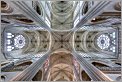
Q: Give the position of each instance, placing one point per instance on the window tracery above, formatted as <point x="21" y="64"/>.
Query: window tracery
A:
<point x="19" y="41"/>
<point x="103" y="41"/>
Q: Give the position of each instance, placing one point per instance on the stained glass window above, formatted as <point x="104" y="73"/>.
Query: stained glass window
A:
<point x="10" y="35"/>
<point x="103" y="41"/>
<point x="113" y="48"/>
<point x="112" y="34"/>
<point x="8" y="41"/>
<point x="19" y="41"/>
<point x="9" y="48"/>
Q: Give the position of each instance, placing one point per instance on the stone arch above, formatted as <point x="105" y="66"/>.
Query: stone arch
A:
<point x="5" y="8"/>
<point x="24" y="20"/>
<point x="85" y="8"/>
<point x="97" y="63"/>
<point x="117" y="6"/>
<point x="3" y="77"/>
<point x="118" y="78"/>
<point x="84" y="76"/>
<point x="38" y="7"/>
<point x="25" y="63"/>
<point x="38" y="76"/>
<point x="118" y="63"/>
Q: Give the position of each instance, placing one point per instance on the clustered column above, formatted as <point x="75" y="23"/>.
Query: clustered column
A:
<point x="30" y="72"/>
<point x="94" y="73"/>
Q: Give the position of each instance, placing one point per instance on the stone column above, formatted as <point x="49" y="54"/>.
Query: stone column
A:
<point x="92" y="12"/>
<point x="76" y="73"/>
<point x="31" y="13"/>
<point x="46" y="74"/>
<point x="7" y="66"/>
<point x="31" y="71"/>
<point x="94" y="73"/>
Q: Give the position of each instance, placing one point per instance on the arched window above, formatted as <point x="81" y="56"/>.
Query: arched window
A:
<point x="3" y="77"/>
<point x="10" y="35"/>
<point x="10" y="48"/>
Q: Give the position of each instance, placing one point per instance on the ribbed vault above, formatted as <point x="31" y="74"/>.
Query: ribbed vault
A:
<point x="61" y="66"/>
